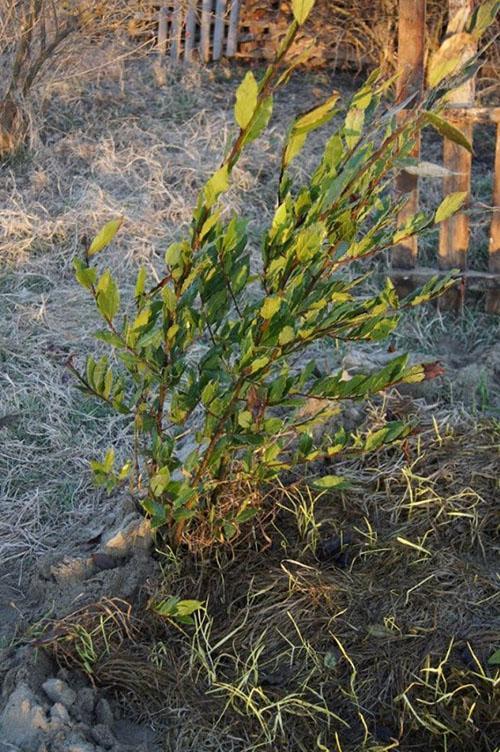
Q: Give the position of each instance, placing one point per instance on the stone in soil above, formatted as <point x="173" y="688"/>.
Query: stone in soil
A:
<point x="23" y="721"/>
<point x="58" y="691"/>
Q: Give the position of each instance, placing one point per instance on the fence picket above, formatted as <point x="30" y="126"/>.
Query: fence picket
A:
<point x="190" y="36"/>
<point x="493" y="298"/>
<point x="206" y="22"/>
<point x="176" y="31"/>
<point x="162" y="31"/>
<point x="220" y="12"/>
<point x="232" y="34"/>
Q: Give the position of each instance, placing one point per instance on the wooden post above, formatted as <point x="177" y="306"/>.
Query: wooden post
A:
<point x="162" y="31"/>
<point x="176" y="31"/>
<point x="454" y="232"/>
<point x="411" y="55"/>
<point x="493" y="297"/>
<point x="220" y="12"/>
<point x="190" y="30"/>
<point x="206" y="21"/>
<point x="232" y="34"/>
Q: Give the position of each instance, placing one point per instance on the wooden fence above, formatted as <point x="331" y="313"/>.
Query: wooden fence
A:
<point x="454" y="234"/>
<point x="210" y="30"/>
<point x="207" y="28"/>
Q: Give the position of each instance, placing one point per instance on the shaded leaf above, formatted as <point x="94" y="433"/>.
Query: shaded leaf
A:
<point x="448" y="130"/>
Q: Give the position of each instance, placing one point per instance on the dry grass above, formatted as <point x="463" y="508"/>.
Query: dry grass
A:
<point x="383" y="645"/>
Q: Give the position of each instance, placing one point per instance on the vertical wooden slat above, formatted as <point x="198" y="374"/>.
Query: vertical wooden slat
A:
<point x="162" y="31"/>
<point x="190" y="30"/>
<point x="175" y="40"/>
<point x="206" y="20"/>
<point x="493" y="297"/>
<point x="411" y="53"/>
<point x="454" y="232"/>
<point x="232" y="34"/>
<point x="220" y="12"/>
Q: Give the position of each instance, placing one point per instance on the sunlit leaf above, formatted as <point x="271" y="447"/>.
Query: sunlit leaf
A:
<point x="105" y="236"/>
<point x="449" y="205"/>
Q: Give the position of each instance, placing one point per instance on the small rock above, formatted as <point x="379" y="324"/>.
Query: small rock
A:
<point x="133" y="534"/>
<point x="23" y="720"/>
<point x="70" y="570"/>
<point x="58" y="691"/>
<point x="59" y="714"/>
<point x="102" y="735"/>
<point x="103" y="713"/>
<point x="76" y="743"/>
<point x="85" y="702"/>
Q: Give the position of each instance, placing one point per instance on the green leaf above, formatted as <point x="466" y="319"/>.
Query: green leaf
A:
<point x="140" y="284"/>
<point x="331" y="481"/>
<point x="353" y="126"/>
<point x="107" y="296"/>
<point x="484" y="16"/>
<point x="447" y="130"/>
<point x="173" y="254"/>
<point x="270" y="306"/>
<point x="246" y="100"/>
<point x="218" y="183"/>
<point x="188" y="607"/>
<point x="494" y="659"/>
<point x="301" y="10"/>
<point x="294" y="147"/>
<point x="450" y="205"/>
<point x="286" y="335"/>
<point x="245" y="419"/>
<point x="105" y="236"/>
<point x="85" y="275"/>
<point x="317" y="116"/>
<point x="160" y="481"/>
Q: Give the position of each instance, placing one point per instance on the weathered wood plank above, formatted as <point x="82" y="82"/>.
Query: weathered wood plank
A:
<point x="220" y="13"/>
<point x="162" y="31"/>
<point x="411" y="53"/>
<point x="206" y="22"/>
<point x="454" y="232"/>
<point x="176" y="31"/>
<point x="493" y="298"/>
<point x="232" y="34"/>
<point x="190" y="35"/>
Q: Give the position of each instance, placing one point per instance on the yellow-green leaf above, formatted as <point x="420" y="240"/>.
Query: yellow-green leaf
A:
<point x="447" y="130"/>
<point x="218" y="183"/>
<point x="301" y="9"/>
<point x="450" y="205"/>
<point x="105" y="236"/>
<point x="270" y="306"/>
<point x="446" y="61"/>
<point x="353" y="127"/>
<point x="294" y="147"/>
<point x="160" y="481"/>
<point x="286" y="335"/>
<point x="317" y="116"/>
<point x="246" y="100"/>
